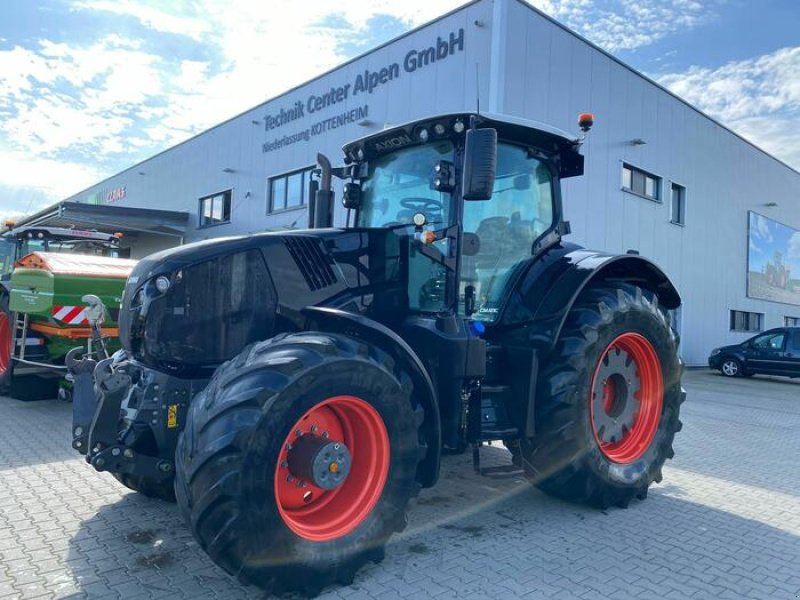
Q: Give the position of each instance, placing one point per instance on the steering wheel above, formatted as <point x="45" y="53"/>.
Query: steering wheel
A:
<point x="419" y="204"/>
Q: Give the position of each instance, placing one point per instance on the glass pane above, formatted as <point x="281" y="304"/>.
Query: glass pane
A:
<point x="7" y="250"/>
<point x="207" y="210"/>
<point x="650" y="187"/>
<point x="627" y="178"/>
<point x="520" y="211"/>
<point x="278" y="194"/>
<point x="294" y="190"/>
<point x="638" y="182"/>
<point x="399" y="186"/>
<point x="226" y="206"/>
<point x="216" y="209"/>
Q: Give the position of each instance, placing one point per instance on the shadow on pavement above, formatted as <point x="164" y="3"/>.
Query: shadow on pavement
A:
<point x="473" y="536"/>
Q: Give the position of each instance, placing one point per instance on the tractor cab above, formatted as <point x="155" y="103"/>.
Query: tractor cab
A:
<point x="479" y="195"/>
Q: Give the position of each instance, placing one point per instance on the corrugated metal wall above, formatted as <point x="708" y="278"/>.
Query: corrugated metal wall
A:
<point x="531" y="67"/>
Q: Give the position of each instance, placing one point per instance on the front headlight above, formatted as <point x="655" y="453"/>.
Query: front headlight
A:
<point x="715" y="351"/>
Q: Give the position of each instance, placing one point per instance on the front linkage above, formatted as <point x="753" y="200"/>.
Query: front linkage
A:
<point x="126" y="420"/>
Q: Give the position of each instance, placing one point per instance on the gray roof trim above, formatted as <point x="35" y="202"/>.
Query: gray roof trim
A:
<point x="111" y="218"/>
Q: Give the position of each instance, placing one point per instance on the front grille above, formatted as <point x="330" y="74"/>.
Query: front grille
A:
<point x="312" y="261"/>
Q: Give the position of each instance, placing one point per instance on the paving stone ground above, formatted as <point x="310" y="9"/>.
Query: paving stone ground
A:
<point x="725" y="522"/>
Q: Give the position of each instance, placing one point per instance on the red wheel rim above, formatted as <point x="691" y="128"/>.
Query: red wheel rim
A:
<point x="5" y="343"/>
<point x="322" y="515"/>
<point x="626" y="398"/>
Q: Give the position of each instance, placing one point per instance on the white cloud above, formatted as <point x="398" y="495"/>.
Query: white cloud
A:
<point x="761" y="229"/>
<point x="158" y="20"/>
<point x="758" y="98"/>
<point x="628" y="24"/>
<point x="54" y="178"/>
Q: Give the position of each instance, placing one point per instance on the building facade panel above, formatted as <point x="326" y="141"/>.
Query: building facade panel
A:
<point x="512" y="59"/>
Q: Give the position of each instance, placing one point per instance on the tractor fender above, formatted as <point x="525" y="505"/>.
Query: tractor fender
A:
<point x="358" y="326"/>
<point x="597" y="266"/>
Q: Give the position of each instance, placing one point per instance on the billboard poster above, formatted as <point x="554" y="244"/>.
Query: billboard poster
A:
<point x="773" y="261"/>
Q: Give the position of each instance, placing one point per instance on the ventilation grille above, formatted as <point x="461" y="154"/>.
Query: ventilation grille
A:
<point x="313" y="262"/>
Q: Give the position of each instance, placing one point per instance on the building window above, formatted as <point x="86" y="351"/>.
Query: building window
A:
<point x="678" y="204"/>
<point x="640" y="182"/>
<point x="746" y="321"/>
<point x="215" y="209"/>
<point x="791" y="321"/>
<point x="289" y="190"/>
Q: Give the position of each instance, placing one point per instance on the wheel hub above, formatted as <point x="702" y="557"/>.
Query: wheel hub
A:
<point x="324" y="463"/>
<point x="613" y="396"/>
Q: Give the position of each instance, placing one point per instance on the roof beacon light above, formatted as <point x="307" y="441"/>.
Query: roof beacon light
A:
<point x="585" y="121"/>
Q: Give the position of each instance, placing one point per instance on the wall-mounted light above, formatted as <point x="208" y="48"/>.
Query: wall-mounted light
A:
<point x="365" y="123"/>
<point x="256" y="122"/>
<point x="637" y="142"/>
<point x="228" y="170"/>
<point x="247" y="195"/>
<point x="770" y="204"/>
<point x="141" y="172"/>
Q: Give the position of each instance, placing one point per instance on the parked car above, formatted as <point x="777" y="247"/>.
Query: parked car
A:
<point x="774" y="352"/>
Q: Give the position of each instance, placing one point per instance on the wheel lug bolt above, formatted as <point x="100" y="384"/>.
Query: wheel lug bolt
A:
<point x="313" y="429"/>
<point x="302" y="484"/>
<point x="289" y="478"/>
<point x="325" y="434"/>
<point x="336" y="446"/>
<point x="284" y="464"/>
<point x="298" y="433"/>
<point x="288" y="446"/>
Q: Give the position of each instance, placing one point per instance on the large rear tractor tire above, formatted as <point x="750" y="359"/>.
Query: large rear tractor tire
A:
<point x="6" y="350"/>
<point x="298" y="460"/>
<point x="608" y="401"/>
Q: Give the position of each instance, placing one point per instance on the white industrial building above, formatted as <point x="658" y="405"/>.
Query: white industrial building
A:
<point x="661" y="177"/>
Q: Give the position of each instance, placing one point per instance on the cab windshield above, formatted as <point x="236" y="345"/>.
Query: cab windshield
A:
<point x="399" y="186"/>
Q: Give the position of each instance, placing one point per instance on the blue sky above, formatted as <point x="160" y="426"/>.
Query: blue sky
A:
<point x="89" y="87"/>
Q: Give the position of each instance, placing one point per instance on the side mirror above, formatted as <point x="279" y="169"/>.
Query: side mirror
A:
<point x="480" y="164"/>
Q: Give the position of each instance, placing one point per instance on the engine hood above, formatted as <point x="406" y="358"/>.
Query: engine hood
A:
<point x="225" y="293"/>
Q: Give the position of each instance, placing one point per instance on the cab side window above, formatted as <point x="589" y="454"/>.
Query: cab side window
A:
<point x="7" y="255"/>
<point x="505" y="227"/>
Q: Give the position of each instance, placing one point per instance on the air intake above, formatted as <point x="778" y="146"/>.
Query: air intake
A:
<point x="312" y="261"/>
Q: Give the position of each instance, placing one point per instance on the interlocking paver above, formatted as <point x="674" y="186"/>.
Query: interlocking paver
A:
<point x="725" y="523"/>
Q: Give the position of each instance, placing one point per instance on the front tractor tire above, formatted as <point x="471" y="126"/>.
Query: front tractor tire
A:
<point x="298" y="461"/>
<point x="608" y="402"/>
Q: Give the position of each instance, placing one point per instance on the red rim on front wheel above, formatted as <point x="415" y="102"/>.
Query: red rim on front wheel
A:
<point x="332" y="468"/>
<point x="5" y="343"/>
<point x="626" y="398"/>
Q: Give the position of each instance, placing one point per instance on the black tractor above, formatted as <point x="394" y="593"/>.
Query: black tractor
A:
<point x="296" y="389"/>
